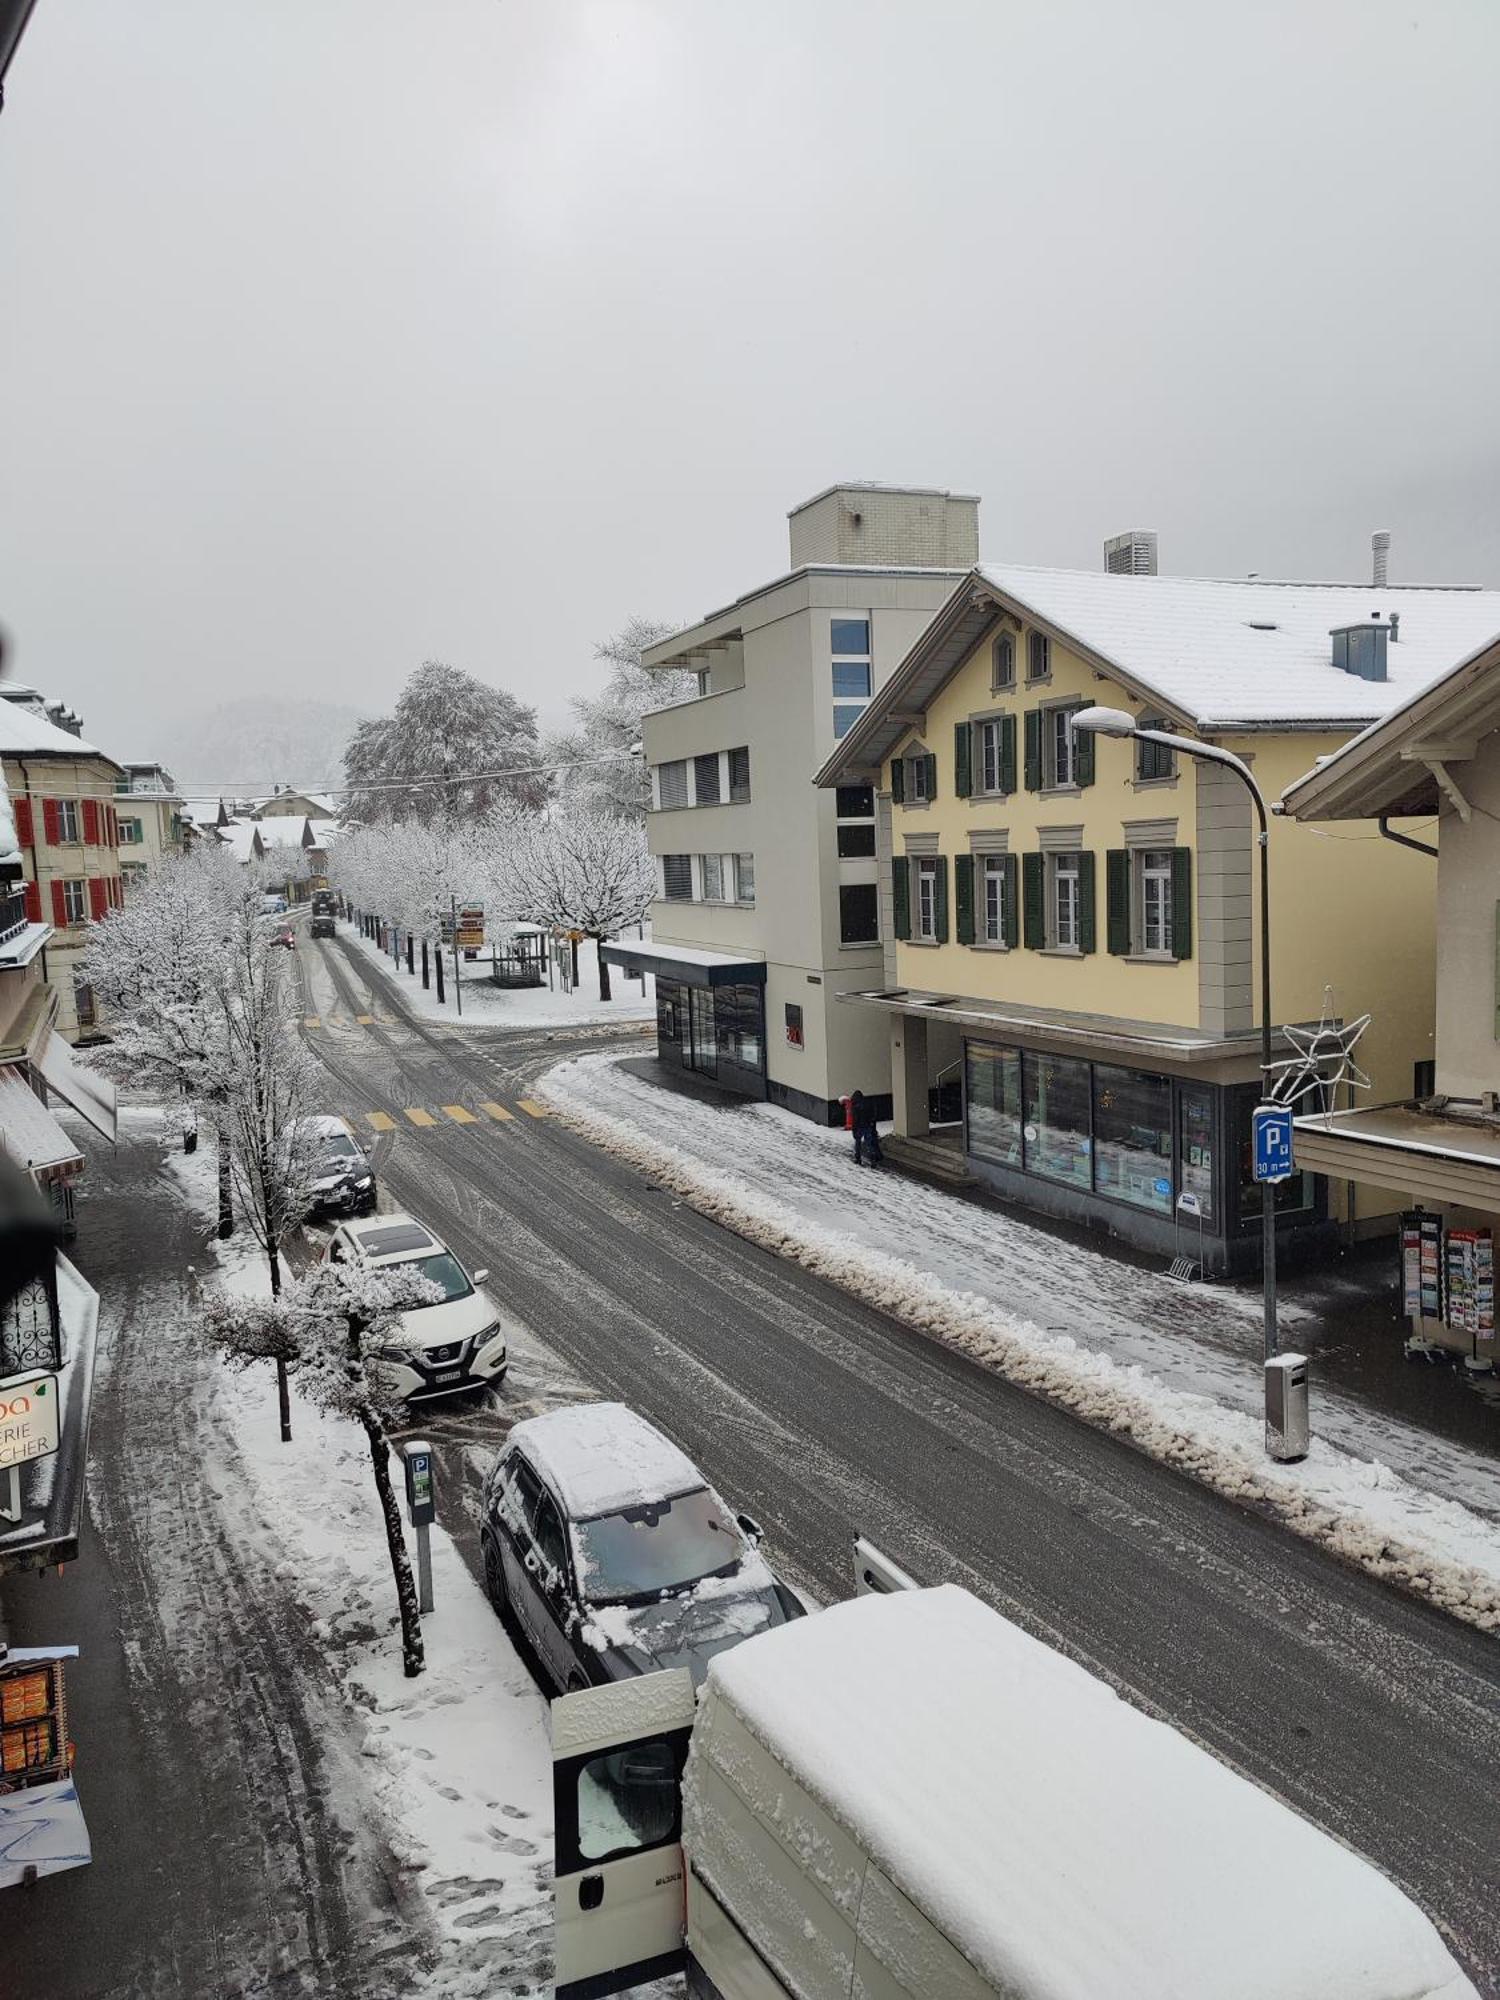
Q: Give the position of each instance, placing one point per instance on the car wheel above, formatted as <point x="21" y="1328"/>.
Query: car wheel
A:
<point x="494" y="1582"/>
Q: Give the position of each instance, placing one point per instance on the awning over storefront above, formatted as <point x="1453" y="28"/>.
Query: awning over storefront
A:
<point x="31" y="1135"/>
<point x="686" y="963"/>
<point x="1150" y="1040"/>
<point x="1431" y="1155"/>
<point x="89" y="1094"/>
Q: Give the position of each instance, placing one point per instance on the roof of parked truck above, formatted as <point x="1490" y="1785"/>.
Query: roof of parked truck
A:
<point x="1067" y="1844"/>
<point x="604" y="1457"/>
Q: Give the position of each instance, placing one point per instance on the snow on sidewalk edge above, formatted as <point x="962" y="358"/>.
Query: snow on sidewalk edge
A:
<point x="1344" y="1504"/>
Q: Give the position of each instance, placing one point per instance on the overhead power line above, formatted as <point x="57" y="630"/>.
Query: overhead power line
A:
<point x="203" y="788"/>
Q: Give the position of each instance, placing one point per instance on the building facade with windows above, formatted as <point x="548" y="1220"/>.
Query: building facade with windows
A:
<point x="63" y="793"/>
<point x="1076" y="915"/>
<point x="768" y="899"/>
<point x="149" y="817"/>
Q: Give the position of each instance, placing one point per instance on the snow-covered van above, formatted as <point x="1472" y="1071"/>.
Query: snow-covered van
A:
<point x="906" y="1797"/>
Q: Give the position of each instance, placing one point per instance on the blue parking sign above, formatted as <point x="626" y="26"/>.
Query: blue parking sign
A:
<point x="1271" y="1142"/>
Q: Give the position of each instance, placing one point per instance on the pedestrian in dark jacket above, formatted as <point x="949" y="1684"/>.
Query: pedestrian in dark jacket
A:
<point x="866" y="1136"/>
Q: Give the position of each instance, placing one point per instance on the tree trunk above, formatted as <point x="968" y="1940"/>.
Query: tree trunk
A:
<point x="573" y="947"/>
<point x="283" y="1387"/>
<point x="426" y="976"/>
<point x="413" y="1656"/>
<point x="226" y="1185"/>
<point x="604" y="992"/>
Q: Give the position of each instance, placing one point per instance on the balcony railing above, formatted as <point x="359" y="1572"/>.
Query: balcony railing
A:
<point x="13" y="918"/>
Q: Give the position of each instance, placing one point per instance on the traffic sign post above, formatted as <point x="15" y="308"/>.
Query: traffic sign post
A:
<point x="1271" y="1142"/>
<point x="421" y="1511"/>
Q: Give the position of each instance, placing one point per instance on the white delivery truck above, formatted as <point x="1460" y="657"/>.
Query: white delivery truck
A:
<point x="906" y="1797"/>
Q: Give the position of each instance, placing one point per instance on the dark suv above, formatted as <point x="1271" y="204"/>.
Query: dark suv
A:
<point x="613" y="1556"/>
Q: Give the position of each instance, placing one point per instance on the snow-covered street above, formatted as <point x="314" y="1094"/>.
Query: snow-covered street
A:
<point x="486" y="1005"/>
<point x="1176" y="1368"/>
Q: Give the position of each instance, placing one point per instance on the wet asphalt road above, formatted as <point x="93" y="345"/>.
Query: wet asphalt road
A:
<point x="1378" y="1718"/>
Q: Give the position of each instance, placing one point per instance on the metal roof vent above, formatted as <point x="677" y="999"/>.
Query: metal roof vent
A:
<point x="1380" y="555"/>
<point x="1360" y="650"/>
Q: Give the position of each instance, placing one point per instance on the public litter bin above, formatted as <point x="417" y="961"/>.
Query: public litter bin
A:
<point x="1286" y="1407"/>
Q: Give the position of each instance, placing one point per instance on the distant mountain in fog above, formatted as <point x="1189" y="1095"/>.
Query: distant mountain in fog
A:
<point x="249" y="746"/>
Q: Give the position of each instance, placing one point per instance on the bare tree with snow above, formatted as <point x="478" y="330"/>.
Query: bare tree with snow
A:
<point x="578" y="869"/>
<point x="329" y="1327"/>
<point x="596" y="766"/>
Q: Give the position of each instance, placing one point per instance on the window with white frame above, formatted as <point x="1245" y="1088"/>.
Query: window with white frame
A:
<point x="1057" y="747"/>
<point x="677" y="877"/>
<point x="712" y="870"/>
<point x="1003" y="661"/>
<point x="916" y="779"/>
<point x="992" y="913"/>
<point x="75" y="901"/>
<point x="927" y="893"/>
<point x="672" y="784"/>
<point x="744" y="878"/>
<point x="849" y="644"/>
<point x="130" y="833"/>
<point x="1154" y="900"/>
<point x="987" y="740"/>
<point x="67" y="821"/>
<point x="1064" y="901"/>
<point x="1038" y="656"/>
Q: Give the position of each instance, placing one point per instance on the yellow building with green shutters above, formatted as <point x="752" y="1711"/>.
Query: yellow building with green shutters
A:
<point x="1069" y="929"/>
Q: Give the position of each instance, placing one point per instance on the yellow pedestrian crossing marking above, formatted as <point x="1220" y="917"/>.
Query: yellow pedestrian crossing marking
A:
<point x="497" y="1111"/>
<point x="365" y="1020"/>
<point x="381" y="1121"/>
<point x="460" y="1115"/>
<point x="457" y="1114"/>
<point x="313" y="1021"/>
<point x="532" y="1109"/>
<point x="421" y="1117"/>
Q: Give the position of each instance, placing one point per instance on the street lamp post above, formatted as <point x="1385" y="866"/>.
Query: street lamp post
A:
<point x="1117" y="722"/>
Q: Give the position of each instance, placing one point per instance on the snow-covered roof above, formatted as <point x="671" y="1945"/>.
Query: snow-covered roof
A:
<point x="28" y="1131"/>
<point x="239" y="837"/>
<point x="1251" y="650"/>
<point x="1068" y="1844"/>
<point x="603" y="1457"/>
<point x="26" y="734"/>
<point x="652" y="952"/>
<point x="324" y="831"/>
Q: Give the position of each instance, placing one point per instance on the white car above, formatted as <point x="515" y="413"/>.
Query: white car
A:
<point x="455" y="1344"/>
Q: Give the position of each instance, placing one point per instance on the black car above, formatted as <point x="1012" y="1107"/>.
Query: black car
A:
<point x="322" y="924"/>
<point x="609" y="1551"/>
<point x="341" y="1180"/>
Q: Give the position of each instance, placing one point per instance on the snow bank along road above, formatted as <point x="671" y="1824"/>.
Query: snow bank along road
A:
<point x="1373" y="1714"/>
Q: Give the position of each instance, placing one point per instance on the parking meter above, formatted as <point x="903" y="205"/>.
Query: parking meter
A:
<point x="421" y="1510"/>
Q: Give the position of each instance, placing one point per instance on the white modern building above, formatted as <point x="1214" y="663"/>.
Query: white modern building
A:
<point x="768" y="903"/>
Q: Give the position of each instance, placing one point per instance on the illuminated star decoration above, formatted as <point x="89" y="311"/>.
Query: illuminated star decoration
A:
<point x="1324" y="1059"/>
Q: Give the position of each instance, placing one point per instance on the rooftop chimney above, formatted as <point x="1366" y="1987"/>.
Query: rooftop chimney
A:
<point x="1380" y="549"/>
<point x="1132" y="554"/>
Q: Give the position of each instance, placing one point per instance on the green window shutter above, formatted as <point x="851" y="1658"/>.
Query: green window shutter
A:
<point x="1117" y="901"/>
<point x="940" y="899"/>
<point x="1034" y="915"/>
<point x="1083" y="757"/>
<point x="963" y="753"/>
<point x="932" y="774"/>
<point x="1033" y="749"/>
<point x="963" y="896"/>
<point x="1007" y="754"/>
<point x="901" y="894"/>
<point x="1182" y="902"/>
<point x="1086" y="939"/>
<point x="898" y="781"/>
<point x="1011" y="926"/>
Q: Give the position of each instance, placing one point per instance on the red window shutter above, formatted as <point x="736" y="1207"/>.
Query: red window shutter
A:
<point x="23" y="821"/>
<point x="98" y="897"/>
<point x="50" y="825"/>
<point x="33" y="903"/>
<point x="113" y="835"/>
<point x="59" y="903"/>
<point x="91" y="822"/>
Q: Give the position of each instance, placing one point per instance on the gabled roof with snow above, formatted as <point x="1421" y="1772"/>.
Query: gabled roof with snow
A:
<point x="604" y="1457"/>
<point x="240" y="837"/>
<point x="1253" y="651"/>
<point x="23" y="733"/>
<point x="319" y="832"/>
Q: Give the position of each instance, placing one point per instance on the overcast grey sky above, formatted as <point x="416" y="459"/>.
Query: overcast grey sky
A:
<point x="335" y="334"/>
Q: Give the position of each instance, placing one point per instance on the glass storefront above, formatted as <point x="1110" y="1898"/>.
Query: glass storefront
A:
<point x="714" y="1030"/>
<point x="992" y="1080"/>
<point x="1195" y="1138"/>
<point x="1058" y="1141"/>
<point x="1133" y="1137"/>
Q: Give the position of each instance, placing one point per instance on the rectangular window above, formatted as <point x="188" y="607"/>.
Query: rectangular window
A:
<point x="845" y="716"/>
<point x="744" y="878"/>
<point x="1003" y="661"/>
<point x="855" y="802"/>
<point x="1153" y="760"/>
<point x="1057" y="1135"/>
<point x="739" y="777"/>
<point x="856" y="842"/>
<point x="712" y="870"/>
<point x="738" y="1017"/>
<point x="83" y="997"/>
<point x="75" y="901"/>
<point x="850" y="635"/>
<point x="793" y="1026"/>
<point x="916" y="778"/>
<point x="926" y="913"/>
<point x="706" y="779"/>
<point x="130" y="833"/>
<point x="1064" y="901"/>
<point x="1154" y="900"/>
<point x="1195" y="1139"/>
<point x="1133" y="1137"/>
<point x="67" y="821"/>
<point x="992" y="1094"/>
<point x="851" y="678"/>
<point x="992" y="898"/>
<point x="1424" y="1078"/>
<point x="673" y="781"/>
<point x="669" y="1006"/>
<point x="859" y="918"/>
<point x="1038" y="656"/>
<point x="1057" y="754"/>
<point x="704" y="1052"/>
<point x="677" y="878"/>
<point x="988" y="735"/>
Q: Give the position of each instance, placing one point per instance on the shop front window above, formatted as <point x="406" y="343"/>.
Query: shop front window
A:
<point x="992" y="1081"/>
<point x="1057" y="1129"/>
<point x="1195" y="1139"/>
<point x="669" y="1003"/>
<point x="738" y="1025"/>
<point x="1133" y="1137"/>
<point x="703" y="1052"/>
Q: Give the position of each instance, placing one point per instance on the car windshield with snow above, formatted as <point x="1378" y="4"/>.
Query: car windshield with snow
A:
<point x="608" y="1552"/>
<point x="341" y="1180"/>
